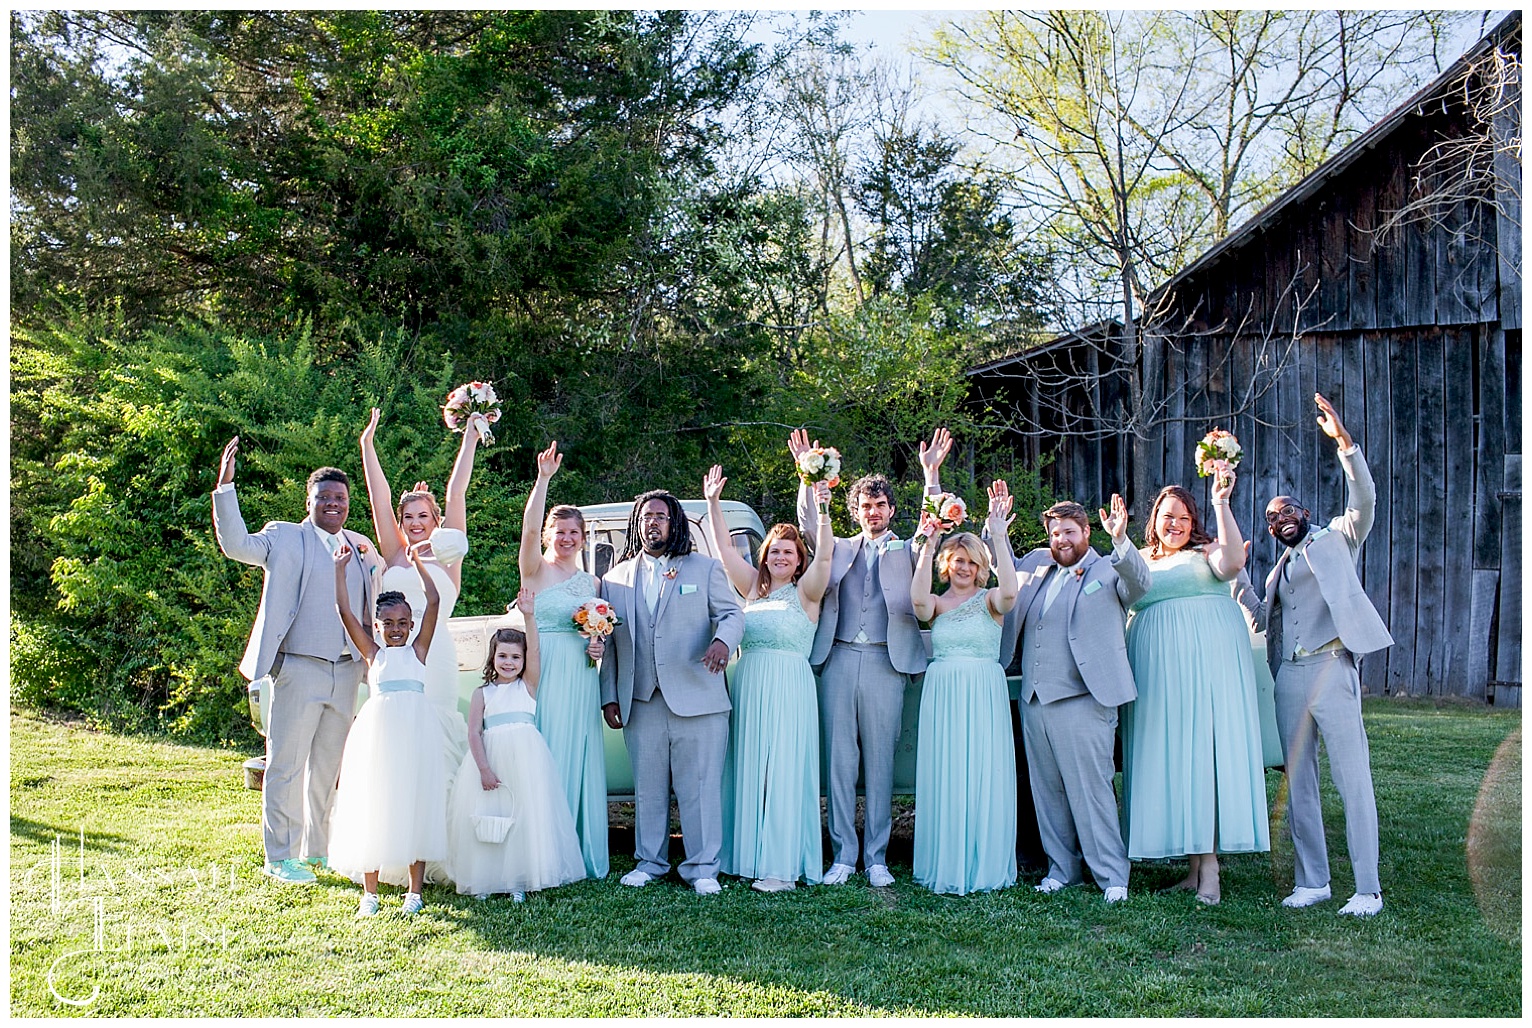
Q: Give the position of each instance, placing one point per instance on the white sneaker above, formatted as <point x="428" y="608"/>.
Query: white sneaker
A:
<point x="1117" y="893"/>
<point x="879" y="877"/>
<point x="412" y="903"/>
<point x="707" y="887"/>
<point x="1301" y="897"/>
<point x="1363" y="904"/>
<point x="1048" y="886"/>
<point x="839" y="874"/>
<point x="637" y="879"/>
<point x="773" y="885"/>
<point x="518" y="897"/>
<point x="368" y="906"/>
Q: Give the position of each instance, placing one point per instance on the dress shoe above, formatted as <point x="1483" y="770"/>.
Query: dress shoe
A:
<point x="878" y="877"/>
<point x="368" y="906"/>
<point x="1117" y="893"/>
<point x="1363" y="904"/>
<point x="1049" y="886"/>
<point x="707" y="887"/>
<point x="291" y="872"/>
<point x="1301" y="897"/>
<point x="839" y="874"/>
<point x="773" y="885"/>
<point x="637" y="879"/>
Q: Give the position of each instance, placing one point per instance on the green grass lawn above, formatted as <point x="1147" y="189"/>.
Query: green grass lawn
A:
<point x="165" y="914"/>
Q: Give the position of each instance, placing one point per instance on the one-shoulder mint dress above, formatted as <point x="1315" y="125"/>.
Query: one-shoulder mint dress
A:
<point x="771" y="771"/>
<point x="1192" y="740"/>
<point x="569" y="714"/>
<point x="965" y="766"/>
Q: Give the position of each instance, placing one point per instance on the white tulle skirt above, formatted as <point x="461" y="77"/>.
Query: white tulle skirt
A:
<point x="389" y="805"/>
<point x="540" y="850"/>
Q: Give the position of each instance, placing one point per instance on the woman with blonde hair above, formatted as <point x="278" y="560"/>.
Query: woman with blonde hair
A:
<point x="965" y="761"/>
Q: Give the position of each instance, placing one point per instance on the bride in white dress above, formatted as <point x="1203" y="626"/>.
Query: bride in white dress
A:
<point x="418" y="518"/>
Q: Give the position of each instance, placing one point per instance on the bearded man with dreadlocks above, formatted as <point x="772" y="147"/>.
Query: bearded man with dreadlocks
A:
<point x="662" y="683"/>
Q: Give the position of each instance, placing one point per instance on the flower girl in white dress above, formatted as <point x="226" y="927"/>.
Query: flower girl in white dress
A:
<point x="509" y="827"/>
<point x="387" y="813"/>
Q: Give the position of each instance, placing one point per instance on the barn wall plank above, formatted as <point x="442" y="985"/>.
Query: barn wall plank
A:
<point x="1431" y="504"/>
<point x="1457" y="448"/>
<point x="1404" y="512"/>
<point x="1508" y="639"/>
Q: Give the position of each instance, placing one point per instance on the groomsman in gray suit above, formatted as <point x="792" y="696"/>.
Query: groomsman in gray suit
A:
<point x="662" y="682"/>
<point x="867" y="648"/>
<point x="1069" y="615"/>
<point x="299" y="641"/>
<point x="1318" y="620"/>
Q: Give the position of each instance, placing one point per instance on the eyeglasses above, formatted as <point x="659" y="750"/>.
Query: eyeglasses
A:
<point x="1288" y="510"/>
<point x="653" y="517"/>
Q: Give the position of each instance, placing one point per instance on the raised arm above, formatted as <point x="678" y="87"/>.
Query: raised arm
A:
<point x="234" y="537"/>
<point x="1133" y="575"/>
<point x="531" y="557"/>
<point x="417" y="555"/>
<point x="359" y="635"/>
<point x="816" y="577"/>
<point x="808" y="517"/>
<point x="1003" y="597"/>
<point x="1226" y="555"/>
<point x="922" y="601"/>
<point x="741" y="574"/>
<point x="931" y="457"/>
<point x="532" y="666"/>
<point x="385" y="526"/>
<point x="1361" y="493"/>
<point x="455" y="515"/>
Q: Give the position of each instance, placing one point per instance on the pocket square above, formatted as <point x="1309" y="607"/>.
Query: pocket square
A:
<point x="895" y="544"/>
<point x="686" y="589"/>
<point x="1091" y="587"/>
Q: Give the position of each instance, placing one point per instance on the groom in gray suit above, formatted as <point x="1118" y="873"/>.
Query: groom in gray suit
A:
<point x="1318" y="620"/>
<point x="298" y="640"/>
<point x="867" y="648"/>
<point x="662" y="683"/>
<point x="1069" y="615"/>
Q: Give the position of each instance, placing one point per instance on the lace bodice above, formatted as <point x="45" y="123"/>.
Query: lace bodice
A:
<point x="1180" y="575"/>
<point x="967" y="631"/>
<point x="777" y="622"/>
<point x="556" y="604"/>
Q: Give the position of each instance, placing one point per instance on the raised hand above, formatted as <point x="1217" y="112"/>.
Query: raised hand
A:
<point x="929" y="526"/>
<point x="372" y="427"/>
<point x="1223" y="486"/>
<point x="822" y="494"/>
<point x="1000" y="500"/>
<point x="226" y="462"/>
<point x="342" y="557"/>
<point x="1116" y="524"/>
<point x="713" y="483"/>
<point x="549" y="460"/>
<point x="798" y="442"/>
<point x="931" y="456"/>
<point x="1330" y="423"/>
<point x="524" y="599"/>
<point x="422" y="486"/>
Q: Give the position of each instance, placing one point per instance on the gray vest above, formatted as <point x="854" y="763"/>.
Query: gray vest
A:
<point x="862" y="606"/>
<point x="316" y="629"/>
<point x="1302" y="612"/>
<point x="646" y="677"/>
<point x="1048" y="665"/>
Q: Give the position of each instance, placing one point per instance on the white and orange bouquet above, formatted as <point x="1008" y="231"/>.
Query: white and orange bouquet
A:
<point x="819" y="464"/>
<point x="595" y="619"/>
<point x="472" y="400"/>
<point x="1218" y="454"/>
<point x="949" y="511"/>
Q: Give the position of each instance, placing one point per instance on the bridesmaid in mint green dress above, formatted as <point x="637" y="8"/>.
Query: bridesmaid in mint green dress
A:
<point x="1193" y="778"/>
<point x="569" y="698"/>
<point x="771" y="770"/>
<point x="965" y="759"/>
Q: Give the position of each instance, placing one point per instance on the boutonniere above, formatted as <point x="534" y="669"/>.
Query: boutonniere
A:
<point x="362" y="549"/>
<point x="671" y="572"/>
<point x="1079" y="573"/>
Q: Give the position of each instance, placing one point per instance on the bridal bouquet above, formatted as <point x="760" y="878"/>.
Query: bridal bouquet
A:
<point x="595" y="619"/>
<point x="819" y="464"/>
<point x="948" y="510"/>
<point x="469" y="401"/>
<point x="1218" y="453"/>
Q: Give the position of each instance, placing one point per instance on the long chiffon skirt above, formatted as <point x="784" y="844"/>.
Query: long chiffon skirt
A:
<point x="569" y="716"/>
<point x="771" y="770"/>
<point x="965" y="779"/>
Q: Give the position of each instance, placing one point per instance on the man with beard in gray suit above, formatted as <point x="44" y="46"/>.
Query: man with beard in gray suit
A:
<point x="1069" y="617"/>
<point x="1318" y="620"/>
<point x="662" y="684"/>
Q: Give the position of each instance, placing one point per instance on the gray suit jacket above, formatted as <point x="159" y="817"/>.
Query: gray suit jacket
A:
<point x="695" y="607"/>
<point x="1330" y="555"/>
<point x="1096" y="608"/>
<point x="287" y="552"/>
<point x="907" y="649"/>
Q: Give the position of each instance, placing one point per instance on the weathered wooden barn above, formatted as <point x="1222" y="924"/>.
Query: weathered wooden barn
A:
<point x="1410" y="323"/>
